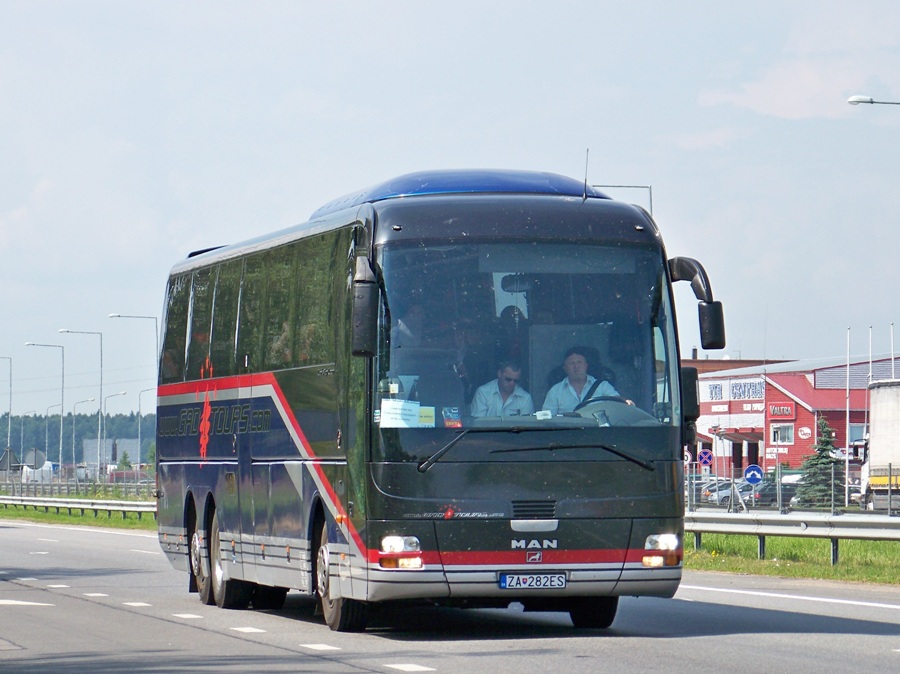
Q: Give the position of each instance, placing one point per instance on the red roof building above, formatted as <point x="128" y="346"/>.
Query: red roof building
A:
<point x="768" y="414"/>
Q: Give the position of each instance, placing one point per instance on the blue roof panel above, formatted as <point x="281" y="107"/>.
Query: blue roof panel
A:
<point x="464" y="181"/>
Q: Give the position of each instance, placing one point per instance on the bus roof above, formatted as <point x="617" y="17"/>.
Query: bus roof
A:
<point x="462" y="181"/>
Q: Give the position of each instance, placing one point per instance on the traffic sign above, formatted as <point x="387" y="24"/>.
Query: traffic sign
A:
<point x="688" y="457"/>
<point x="705" y="457"/>
<point x="753" y="474"/>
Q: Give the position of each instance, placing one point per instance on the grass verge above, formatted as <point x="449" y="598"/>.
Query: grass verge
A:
<point x="115" y="520"/>
<point x="788" y="557"/>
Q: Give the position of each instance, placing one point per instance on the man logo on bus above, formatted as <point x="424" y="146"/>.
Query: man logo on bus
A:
<point x="534" y="543"/>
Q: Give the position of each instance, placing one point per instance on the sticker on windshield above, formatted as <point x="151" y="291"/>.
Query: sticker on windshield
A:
<point x="406" y="414"/>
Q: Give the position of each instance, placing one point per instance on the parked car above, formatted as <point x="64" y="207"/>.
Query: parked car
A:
<point x="701" y="485"/>
<point x="723" y="495"/>
<point x="711" y="488"/>
<point x="767" y="494"/>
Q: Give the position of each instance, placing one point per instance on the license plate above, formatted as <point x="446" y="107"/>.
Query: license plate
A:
<point x="532" y="581"/>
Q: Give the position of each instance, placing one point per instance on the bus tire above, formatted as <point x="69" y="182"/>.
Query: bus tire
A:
<point x="267" y="598"/>
<point x="594" y="612"/>
<point x="200" y="563"/>
<point x="227" y="593"/>
<point x="341" y="615"/>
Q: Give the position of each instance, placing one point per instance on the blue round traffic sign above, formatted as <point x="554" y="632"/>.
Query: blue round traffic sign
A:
<point x="753" y="474"/>
<point x="705" y="457"/>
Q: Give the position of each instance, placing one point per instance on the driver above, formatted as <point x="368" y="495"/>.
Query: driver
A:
<point x="577" y="386"/>
<point x="503" y="397"/>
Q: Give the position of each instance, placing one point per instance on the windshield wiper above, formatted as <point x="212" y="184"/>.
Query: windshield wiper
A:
<point x="612" y="449"/>
<point x="434" y="458"/>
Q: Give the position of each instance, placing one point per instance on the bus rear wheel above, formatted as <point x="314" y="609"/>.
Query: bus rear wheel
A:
<point x="200" y="563"/>
<point x="341" y="615"/>
<point x="227" y="593"/>
<point x="594" y="612"/>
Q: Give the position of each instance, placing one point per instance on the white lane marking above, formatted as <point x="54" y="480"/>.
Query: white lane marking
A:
<point x="49" y="540"/>
<point x="147" y="552"/>
<point x="187" y="616"/>
<point x="411" y="668"/>
<point x="13" y="602"/>
<point x="39" y="553"/>
<point x="248" y="630"/>
<point x="136" y="604"/>
<point x="57" y="587"/>
<point x="320" y="647"/>
<point x="777" y="595"/>
<point x="26" y="578"/>
<point x="91" y="530"/>
<point x="95" y="594"/>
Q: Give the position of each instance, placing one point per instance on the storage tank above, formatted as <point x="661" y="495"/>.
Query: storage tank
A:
<point x="880" y="474"/>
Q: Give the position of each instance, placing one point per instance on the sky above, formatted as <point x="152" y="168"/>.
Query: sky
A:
<point x="132" y="133"/>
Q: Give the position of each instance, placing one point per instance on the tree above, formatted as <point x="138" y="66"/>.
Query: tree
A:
<point x="124" y="462"/>
<point x="823" y="475"/>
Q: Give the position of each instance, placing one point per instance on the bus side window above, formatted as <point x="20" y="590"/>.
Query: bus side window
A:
<point x="313" y="343"/>
<point x="280" y="313"/>
<point x="225" y="317"/>
<point x="171" y="365"/>
<point x="250" y="331"/>
<point x="200" y="317"/>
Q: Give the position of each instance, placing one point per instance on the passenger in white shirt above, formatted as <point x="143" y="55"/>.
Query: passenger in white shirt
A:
<point x="503" y="397"/>
<point x="565" y="396"/>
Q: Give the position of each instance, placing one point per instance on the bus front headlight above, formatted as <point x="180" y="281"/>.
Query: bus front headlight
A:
<point x="400" y="552"/>
<point x="663" y="549"/>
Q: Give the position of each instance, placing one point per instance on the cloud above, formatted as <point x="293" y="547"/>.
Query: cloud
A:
<point x="824" y="57"/>
<point x="797" y="88"/>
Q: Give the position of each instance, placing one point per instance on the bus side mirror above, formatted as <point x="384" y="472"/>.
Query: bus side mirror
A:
<point x="690" y="404"/>
<point x="365" y="310"/>
<point x="712" y="325"/>
<point x="712" y="319"/>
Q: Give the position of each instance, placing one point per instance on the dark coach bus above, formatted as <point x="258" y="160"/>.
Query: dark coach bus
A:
<point x="315" y="412"/>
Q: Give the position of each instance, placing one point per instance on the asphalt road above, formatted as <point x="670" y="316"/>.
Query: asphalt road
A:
<point x="79" y="600"/>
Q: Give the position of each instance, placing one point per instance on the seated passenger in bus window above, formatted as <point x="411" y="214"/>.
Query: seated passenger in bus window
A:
<point x="578" y="384"/>
<point x="503" y="397"/>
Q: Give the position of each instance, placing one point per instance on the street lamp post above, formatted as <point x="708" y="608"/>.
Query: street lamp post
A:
<point x="146" y="390"/>
<point x="62" y="394"/>
<point x="155" y="329"/>
<point x="9" y="428"/>
<point x="111" y="395"/>
<point x="74" y="409"/>
<point x="21" y="439"/>
<point x="47" y="439"/>
<point x="22" y="428"/>
<point x="856" y="100"/>
<point x="9" y="419"/>
<point x="649" y="189"/>
<point x="99" y="407"/>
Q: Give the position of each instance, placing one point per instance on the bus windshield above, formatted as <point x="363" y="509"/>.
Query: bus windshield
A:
<point x="504" y="339"/>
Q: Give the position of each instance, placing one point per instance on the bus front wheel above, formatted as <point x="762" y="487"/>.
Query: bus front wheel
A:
<point x="341" y="615"/>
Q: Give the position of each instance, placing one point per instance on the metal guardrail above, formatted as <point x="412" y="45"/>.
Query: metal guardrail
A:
<point x="807" y="525"/>
<point x="84" y="505"/>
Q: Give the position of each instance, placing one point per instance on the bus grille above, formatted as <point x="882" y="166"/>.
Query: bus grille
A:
<point x="534" y="509"/>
